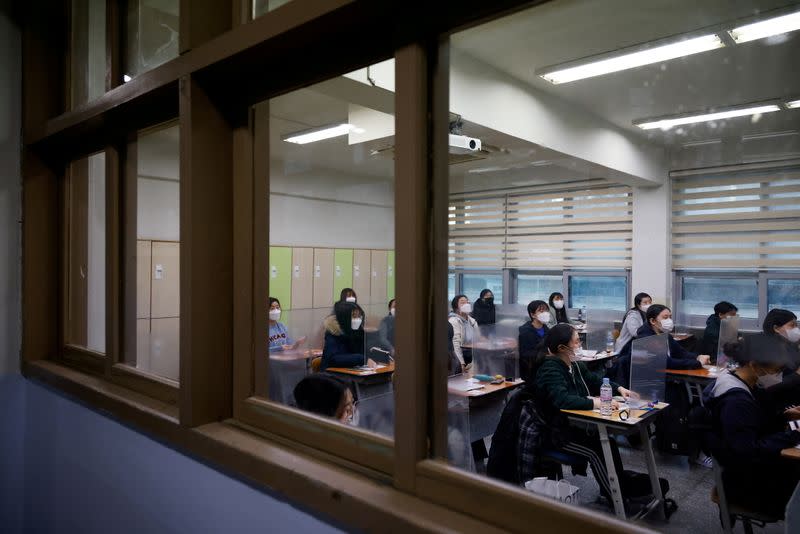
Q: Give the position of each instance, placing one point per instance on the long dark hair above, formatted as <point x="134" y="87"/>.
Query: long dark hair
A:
<point x="561" y="315"/>
<point x="777" y="318"/>
<point x="560" y="335"/>
<point x="344" y="314"/>
<point x="637" y="302"/>
<point x="320" y="393"/>
<point x="346" y="292"/>
<point x="482" y="311"/>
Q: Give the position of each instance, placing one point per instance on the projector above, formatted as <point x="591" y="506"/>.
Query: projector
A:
<point x="461" y="144"/>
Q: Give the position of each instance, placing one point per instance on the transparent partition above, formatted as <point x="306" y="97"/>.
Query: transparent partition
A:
<point x="600" y="329"/>
<point x="376" y="414"/>
<point x="459" y="445"/>
<point x="647" y="368"/>
<point x="728" y="333"/>
<point x="287" y="368"/>
<point x="496" y="351"/>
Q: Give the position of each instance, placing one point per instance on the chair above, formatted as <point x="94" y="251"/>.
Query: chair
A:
<point x="553" y="460"/>
<point x="730" y="512"/>
<point x="316" y="363"/>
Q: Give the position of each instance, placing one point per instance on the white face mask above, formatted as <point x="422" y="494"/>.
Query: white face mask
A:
<point x="353" y="420"/>
<point x="667" y="325"/>
<point x="466" y="308"/>
<point x="766" y="381"/>
<point x="793" y="334"/>
<point x="355" y="323"/>
<point x="644" y="307"/>
<point x="392" y="312"/>
<point x="575" y="353"/>
<point x="350" y="299"/>
<point x="275" y="314"/>
<point x="543" y="317"/>
<point x="558" y="304"/>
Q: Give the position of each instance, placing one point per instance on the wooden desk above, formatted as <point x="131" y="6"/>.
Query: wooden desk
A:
<point x="287" y="368"/>
<point x="639" y="419"/>
<point x="352" y="371"/>
<point x="295" y="354"/>
<point x="792" y="453"/>
<point x="485" y="405"/>
<point x="369" y="383"/>
<point x="487" y="389"/>
<point x="694" y="379"/>
<point x="599" y="357"/>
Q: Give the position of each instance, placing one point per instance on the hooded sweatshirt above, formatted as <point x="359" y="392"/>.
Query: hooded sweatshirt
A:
<point x="339" y="350"/>
<point x="711" y="335"/>
<point x="463" y="333"/>
<point x="483" y="312"/>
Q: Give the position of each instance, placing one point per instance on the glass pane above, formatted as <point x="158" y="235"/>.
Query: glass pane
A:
<point x="151" y="35"/>
<point x="451" y="286"/>
<point x="602" y="292"/>
<point x="331" y="320"/>
<point x="473" y="284"/>
<point x="88" y="54"/>
<point x="154" y="256"/>
<point x="700" y="294"/>
<point x="263" y="6"/>
<point x="537" y="287"/>
<point x="783" y="294"/>
<point x="86" y="320"/>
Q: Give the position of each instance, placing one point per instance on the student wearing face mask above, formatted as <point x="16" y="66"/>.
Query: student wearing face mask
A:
<point x="658" y="320"/>
<point x="633" y="320"/>
<point x="483" y="311"/>
<point x="464" y="329"/>
<point x="531" y="336"/>
<point x="327" y="395"/>
<point x="278" y="334"/>
<point x="782" y="324"/>
<point x="745" y="438"/>
<point x="386" y="329"/>
<point x="558" y="313"/>
<point x="564" y="383"/>
<point x="344" y="337"/>
<point x="348" y="295"/>
<point x="722" y="310"/>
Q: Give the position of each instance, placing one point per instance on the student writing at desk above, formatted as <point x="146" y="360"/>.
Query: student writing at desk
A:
<point x="745" y="438"/>
<point x="278" y="333"/>
<point x="344" y="337"/>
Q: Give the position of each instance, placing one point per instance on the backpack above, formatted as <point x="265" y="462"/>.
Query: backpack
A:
<point x="673" y="435"/>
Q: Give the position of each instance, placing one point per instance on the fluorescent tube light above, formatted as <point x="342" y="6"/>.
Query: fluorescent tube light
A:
<point x="667" y="123"/>
<point x="793" y="104"/>
<point x="635" y="59"/>
<point x="766" y="28"/>
<point x="318" y="134"/>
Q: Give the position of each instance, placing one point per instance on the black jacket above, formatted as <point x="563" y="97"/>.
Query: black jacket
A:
<point x="483" y="313"/>
<point x="530" y="343"/>
<point x="503" y="455"/>
<point x="711" y="336"/>
<point x="677" y="358"/>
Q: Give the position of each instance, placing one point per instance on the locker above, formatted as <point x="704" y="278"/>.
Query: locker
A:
<point x="165" y="347"/>
<point x="165" y="280"/>
<point x="342" y="271"/>
<point x="280" y="278"/>
<point x="390" y="272"/>
<point x="302" y="278"/>
<point x="143" y="344"/>
<point x="323" y="278"/>
<point x="378" y="286"/>
<point x="362" y="268"/>
<point x="143" y="262"/>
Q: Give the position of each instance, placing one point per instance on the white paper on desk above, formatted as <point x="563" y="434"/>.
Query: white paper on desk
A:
<point x="464" y="386"/>
<point x="588" y="354"/>
<point x="380" y="366"/>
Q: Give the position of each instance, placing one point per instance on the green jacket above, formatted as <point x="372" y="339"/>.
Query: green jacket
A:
<point x="559" y="389"/>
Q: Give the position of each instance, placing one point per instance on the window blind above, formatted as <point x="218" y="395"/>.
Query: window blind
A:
<point x="737" y="219"/>
<point x="558" y="226"/>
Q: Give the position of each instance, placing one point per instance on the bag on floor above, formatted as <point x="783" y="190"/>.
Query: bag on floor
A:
<point x="673" y="435"/>
<point x="559" y="490"/>
<point x="635" y="484"/>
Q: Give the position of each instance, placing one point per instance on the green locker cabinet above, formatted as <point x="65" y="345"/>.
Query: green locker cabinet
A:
<point x="342" y="271"/>
<point x="280" y="275"/>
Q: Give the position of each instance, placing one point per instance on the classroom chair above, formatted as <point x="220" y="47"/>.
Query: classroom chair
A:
<point x="730" y="512"/>
<point x="316" y="363"/>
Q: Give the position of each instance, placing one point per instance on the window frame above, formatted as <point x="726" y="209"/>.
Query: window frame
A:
<point x="626" y="273"/>
<point x="503" y="273"/>
<point x="699" y="321"/>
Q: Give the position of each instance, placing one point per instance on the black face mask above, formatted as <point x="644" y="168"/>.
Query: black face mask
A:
<point x="489" y="301"/>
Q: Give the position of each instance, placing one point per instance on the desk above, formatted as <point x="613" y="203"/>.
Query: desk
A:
<point x="792" y="453"/>
<point x="495" y="356"/>
<point x="369" y="383"/>
<point x="694" y="379"/>
<point x="287" y="368"/>
<point x="485" y="404"/>
<point x="639" y="419"/>
<point x="682" y="336"/>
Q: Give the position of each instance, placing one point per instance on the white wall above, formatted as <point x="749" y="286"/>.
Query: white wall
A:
<point x="650" y="268"/>
<point x="96" y="264"/>
<point x="158" y="208"/>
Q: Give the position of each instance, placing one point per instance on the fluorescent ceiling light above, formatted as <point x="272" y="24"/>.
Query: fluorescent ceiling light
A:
<point x="318" y="134"/>
<point x="766" y="28"/>
<point x="126" y="78"/>
<point x="793" y="104"/>
<point x="667" y="123"/>
<point x="635" y="59"/>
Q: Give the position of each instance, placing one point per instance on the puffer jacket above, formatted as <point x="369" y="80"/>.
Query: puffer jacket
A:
<point x="337" y="351"/>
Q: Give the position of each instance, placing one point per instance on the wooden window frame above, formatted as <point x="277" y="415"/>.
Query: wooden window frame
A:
<point x="361" y="479"/>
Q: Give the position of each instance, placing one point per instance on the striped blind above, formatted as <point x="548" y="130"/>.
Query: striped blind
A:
<point x="577" y="224"/>
<point x="737" y="219"/>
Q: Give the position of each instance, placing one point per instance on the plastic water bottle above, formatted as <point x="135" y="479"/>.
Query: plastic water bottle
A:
<point x="580" y="315"/>
<point x="610" y="342"/>
<point x="605" y="398"/>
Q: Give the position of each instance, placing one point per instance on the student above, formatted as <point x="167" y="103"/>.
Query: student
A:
<point x="658" y="320"/>
<point x="348" y="295"/>
<point x="484" y="312"/>
<point x="722" y="310"/>
<point x="558" y="313"/>
<point x="344" y="337"/>
<point x="633" y="320"/>
<point x="327" y="395"/>
<point x="782" y="324"/>
<point x="278" y="334"/>
<point x="531" y="336"/>
<point x="744" y="438"/>
<point x="386" y="329"/>
<point x="563" y="383"/>
<point x="464" y="329"/>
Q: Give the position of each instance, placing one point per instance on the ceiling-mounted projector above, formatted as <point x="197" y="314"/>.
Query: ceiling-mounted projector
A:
<point x="461" y="144"/>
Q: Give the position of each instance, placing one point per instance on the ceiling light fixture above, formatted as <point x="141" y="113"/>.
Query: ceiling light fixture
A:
<point x="634" y="59"/>
<point x="318" y="134"/>
<point x="766" y="28"/>
<point x="793" y="104"/>
<point x="668" y="122"/>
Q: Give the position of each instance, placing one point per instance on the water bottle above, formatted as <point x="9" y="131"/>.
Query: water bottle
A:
<point x="605" y="398"/>
<point x="580" y="315"/>
<point x="610" y="342"/>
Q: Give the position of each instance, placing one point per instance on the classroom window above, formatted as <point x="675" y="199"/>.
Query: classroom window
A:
<point x="151" y="29"/>
<point x="473" y="284"/>
<point x="598" y="292"/>
<point x="538" y="287"/>
<point x="264" y="6"/>
<point x="451" y="286"/>
<point x="152" y="246"/>
<point x="86" y="254"/>
<point x="783" y="293"/>
<point x="88" y="50"/>
<point x="699" y="295"/>
<point x="331" y="238"/>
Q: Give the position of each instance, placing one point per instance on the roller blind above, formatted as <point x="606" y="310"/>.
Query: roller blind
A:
<point x="578" y="224"/>
<point x="737" y="219"/>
